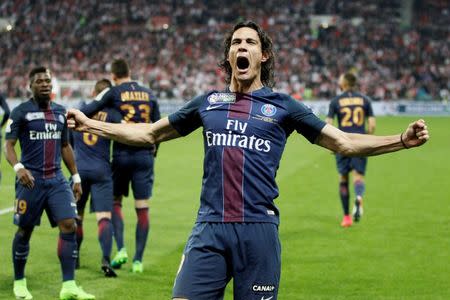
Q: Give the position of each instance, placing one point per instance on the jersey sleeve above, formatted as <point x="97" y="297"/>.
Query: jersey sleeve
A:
<point x="6" y="111"/>
<point x="155" y="115"/>
<point x="304" y="121"/>
<point x="14" y="124"/>
<point x="105" y="100"/>
<point x="187" y="119"/>
<point x="332" y="109"/>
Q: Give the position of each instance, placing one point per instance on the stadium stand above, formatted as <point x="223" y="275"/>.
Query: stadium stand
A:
<point x="400" y="49"/>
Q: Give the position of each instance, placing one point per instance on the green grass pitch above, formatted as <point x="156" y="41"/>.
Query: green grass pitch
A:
<point x="399" y="250"/>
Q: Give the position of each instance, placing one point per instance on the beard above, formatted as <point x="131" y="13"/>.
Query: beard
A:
<point x="42" y="100"/>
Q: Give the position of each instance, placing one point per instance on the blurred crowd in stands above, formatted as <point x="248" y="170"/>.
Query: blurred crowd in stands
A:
<point x="398" y="51"/>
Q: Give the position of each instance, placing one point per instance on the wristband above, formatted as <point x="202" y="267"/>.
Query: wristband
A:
<point x="18" y="166"/>
<point x="403" y="143"/>
<point x="76" y="178"/>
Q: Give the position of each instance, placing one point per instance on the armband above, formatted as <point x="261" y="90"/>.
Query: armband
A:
<point x="18" y="166"/>
<point x="76" y="178"/>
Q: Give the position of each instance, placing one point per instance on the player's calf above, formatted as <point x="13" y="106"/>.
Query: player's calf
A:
<point x="358" y="209"/>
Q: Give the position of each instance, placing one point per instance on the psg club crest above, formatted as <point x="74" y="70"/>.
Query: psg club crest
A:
<point x="268" y="110"/>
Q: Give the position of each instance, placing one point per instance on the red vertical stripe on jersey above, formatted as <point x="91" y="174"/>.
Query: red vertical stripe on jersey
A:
<point x="233" y="167"/>
<point x="240" y="109"/>
<point x="233" y="175"/>
<point x="49" y="149"/>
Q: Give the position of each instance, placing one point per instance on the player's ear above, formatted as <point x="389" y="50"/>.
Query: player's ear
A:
<point x="265" y="57"/>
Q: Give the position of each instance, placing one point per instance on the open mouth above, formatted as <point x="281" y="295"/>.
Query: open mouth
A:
<point x="242" y="63"/>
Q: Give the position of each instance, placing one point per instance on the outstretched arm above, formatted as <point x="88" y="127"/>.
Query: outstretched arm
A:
<point x="352" y="144"/>
<point x="139" y="134"/>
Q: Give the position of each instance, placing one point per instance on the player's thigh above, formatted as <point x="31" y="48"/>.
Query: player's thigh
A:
<point x="121" y="175"/>
<point x="29" y="205"/>
<point x="142" y="178"/>
<point x="86" y="187"/>
<point x="359" y="164"/>
<point x="343" y="164"/>
<point x="60" y="201"/>
<point x="102" y="195"/>
<point x="256" y="261"/>
<point x="203" y="272"/>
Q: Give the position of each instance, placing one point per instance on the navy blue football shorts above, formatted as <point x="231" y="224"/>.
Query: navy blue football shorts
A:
<point x="52" y="195"/>
<point x="99" y="186"/>
<point x="137" y="169"/>
<point x="345" y="164"/>
<point x="250" y="253"/>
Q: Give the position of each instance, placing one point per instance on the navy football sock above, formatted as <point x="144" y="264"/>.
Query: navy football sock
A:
<point x="360" y="188"/>
<point x="20" y="250"/>
<point x="67" y="253"/>
<point x="79" y="233"/>
<point x="117" y="221"/>
<point x="105" y="233"/>
<point x="343" y="192"/>
<point x="142" y="228"/>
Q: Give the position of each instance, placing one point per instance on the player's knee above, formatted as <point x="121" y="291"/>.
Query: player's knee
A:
<point x="25" y="232"/>
<point x="67" y="225"/>
<point x="343" y="178"/>
<point x="103" y="215"/>
<point x="141" y="203"/>
<point x="358" y="177"/>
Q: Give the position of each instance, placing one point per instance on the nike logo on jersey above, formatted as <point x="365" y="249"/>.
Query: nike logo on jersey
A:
<point x="213" y="106"/>
<point x="264" y="298"/>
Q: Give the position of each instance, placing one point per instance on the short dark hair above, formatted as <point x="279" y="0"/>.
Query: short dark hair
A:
<point x="37" y="70"/>
<point x="267" y="67"/>
<point x="120" y="68"/>
<point x="351" y="79"/>
<point x="101" y="85"/>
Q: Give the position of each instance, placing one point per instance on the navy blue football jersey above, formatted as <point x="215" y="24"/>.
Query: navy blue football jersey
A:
<point x="40" y="133"/>
<point x="91" y="151"/>
<point x="352" y="110"/>
<point x="244" y="138"/>
<point x="136" y="103"/>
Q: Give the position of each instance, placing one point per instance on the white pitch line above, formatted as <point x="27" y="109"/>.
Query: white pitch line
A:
<point x="6" y="210"/>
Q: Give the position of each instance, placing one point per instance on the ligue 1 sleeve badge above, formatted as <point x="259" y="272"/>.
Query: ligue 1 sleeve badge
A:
<point x="268" y="110"/>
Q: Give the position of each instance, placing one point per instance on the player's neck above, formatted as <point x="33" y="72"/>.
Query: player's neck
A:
<point x="42" y="103"/>
<point x="245" y="86"/>
<point x="119" y="81"/>
<point x="349" y="91"/>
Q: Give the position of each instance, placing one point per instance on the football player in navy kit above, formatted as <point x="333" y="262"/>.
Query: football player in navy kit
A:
<point x="93" y="161"/>
<point x="245" y="129"/>
<point x="40" y="125"/>
<point x="352" y="110"/>
<point x="137" y="104"/>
